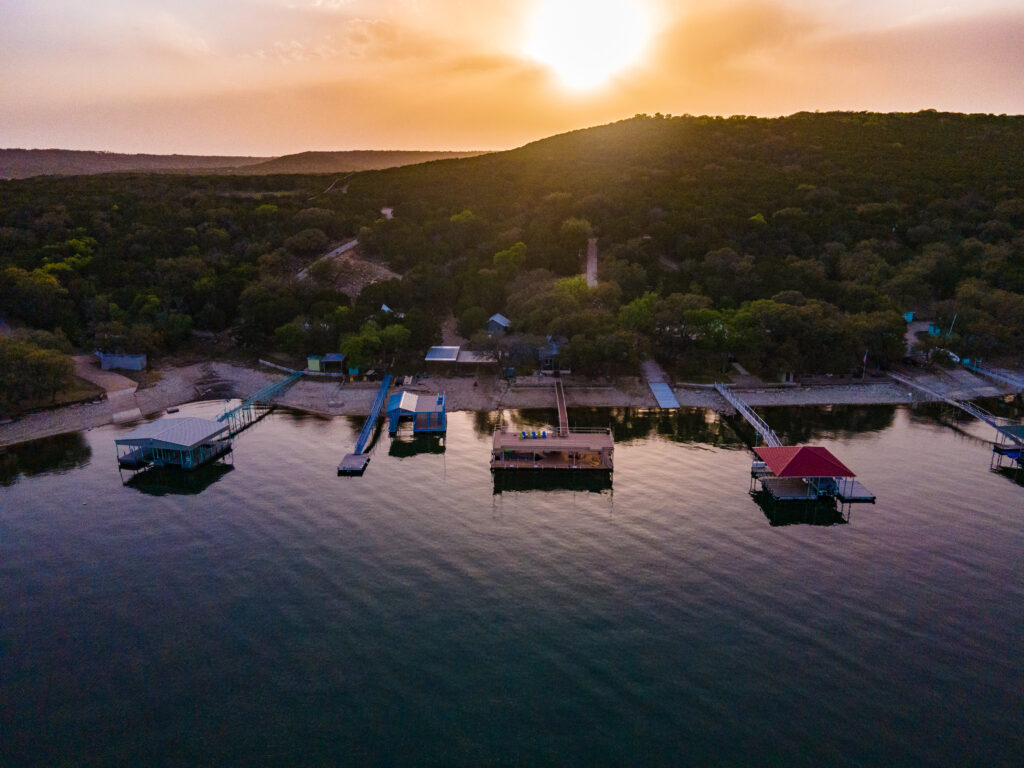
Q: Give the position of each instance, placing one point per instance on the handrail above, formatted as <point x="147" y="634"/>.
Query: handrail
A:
<point x="760" y="425"/>
<point x="1017" y="384"/>
<point x="371" y="420"/>
<point x="965" y="405"/>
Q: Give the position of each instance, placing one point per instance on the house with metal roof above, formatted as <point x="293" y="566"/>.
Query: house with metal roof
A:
<point x="427" y="412"/>
<point x="498" y="323"/>
<point x="186" y="443"/>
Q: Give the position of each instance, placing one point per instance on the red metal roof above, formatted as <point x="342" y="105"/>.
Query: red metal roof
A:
<point x="802" y="461"/>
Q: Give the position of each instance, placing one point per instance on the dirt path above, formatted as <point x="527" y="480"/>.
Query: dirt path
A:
<point x="87" y="367"/>
<point x="592" y="262"/>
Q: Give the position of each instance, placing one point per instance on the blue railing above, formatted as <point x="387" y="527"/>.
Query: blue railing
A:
<point x="371" y="420"/>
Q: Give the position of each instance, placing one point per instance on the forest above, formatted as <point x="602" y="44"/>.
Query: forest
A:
<point x="790" y="244"/>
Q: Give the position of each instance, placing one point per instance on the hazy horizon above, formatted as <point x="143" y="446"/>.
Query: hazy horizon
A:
<point x="274" y="77"/>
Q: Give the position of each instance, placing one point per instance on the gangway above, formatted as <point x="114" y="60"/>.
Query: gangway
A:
<point x="1016" y="383"/>
<point x="965" y="405"/>
<point x="257" y="405"/>
<point x="563" y="412"/>
<point x="355" y="462"/>
<point x="760" y="425"/>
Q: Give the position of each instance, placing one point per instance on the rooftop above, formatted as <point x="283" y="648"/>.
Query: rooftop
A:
<point x="186" y="432"/>
<point x="442" y="355"/>
<point x="500" y="319"/>
<point x="802" y="461"/>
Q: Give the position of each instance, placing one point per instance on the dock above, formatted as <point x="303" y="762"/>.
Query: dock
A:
<point x="355" y="463"/>
<point x="563" y="449"/>
<point x="660" y="388"/>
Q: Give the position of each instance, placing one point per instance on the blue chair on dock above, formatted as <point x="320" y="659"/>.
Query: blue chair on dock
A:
<point x="544" y="434"/>
<point x="533" y="435"/>
<point x="522" y="435"/>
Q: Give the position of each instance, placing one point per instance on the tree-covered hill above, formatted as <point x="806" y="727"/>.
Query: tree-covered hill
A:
<point x="793" y="243"/>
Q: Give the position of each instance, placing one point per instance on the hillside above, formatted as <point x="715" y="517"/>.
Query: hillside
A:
<point x="25" y="163"/>
<point x="794" y="244"/>
<point x="354" y="160"/>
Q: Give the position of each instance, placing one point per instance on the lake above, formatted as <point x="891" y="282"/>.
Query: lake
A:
<point x="268" y="612"/>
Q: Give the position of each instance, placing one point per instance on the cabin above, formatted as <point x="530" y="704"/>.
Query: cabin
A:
<point x="112" y="361"/>
<point x="804" y="473"/>
<point x="498" y="324"/>
<point x="185" y="443"/>
<point x="549" y="355"/>
<point x="426" y="412"/>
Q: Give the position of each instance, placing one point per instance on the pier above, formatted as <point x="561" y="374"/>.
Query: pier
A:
<point x="975" y="367"/>
<point x="563" y="449"/>
<point x="257" y="405"/>
<point x="795" y="473"/>
<point x="355" y="463"/>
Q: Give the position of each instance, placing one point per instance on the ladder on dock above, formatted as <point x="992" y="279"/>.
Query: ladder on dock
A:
<point x="563" y="412"/>
<point x="355" y="462"/>
<point x="257" y="405"/>
<point x="965" y="405"/>
<point x="760" y="425"/>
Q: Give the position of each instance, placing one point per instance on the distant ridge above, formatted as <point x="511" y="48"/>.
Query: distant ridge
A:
<point x="352" y="160"/>
<point x="24" y="163"/>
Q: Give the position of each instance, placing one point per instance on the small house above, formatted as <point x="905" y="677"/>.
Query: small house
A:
<point x="333" y="362"/>
<point x="550" y="353"/>
<point x="313" y="363"/>
<point x="498" y="324"/>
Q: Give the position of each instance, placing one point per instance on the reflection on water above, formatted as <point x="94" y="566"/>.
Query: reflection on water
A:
<point x="406" y="445"/>
<point x="798" y="426"/>
<point x="163" y="481"/>
<point x="819" y="512"/>
<point x="38" y="457"/>
<point x="552" y="480"/>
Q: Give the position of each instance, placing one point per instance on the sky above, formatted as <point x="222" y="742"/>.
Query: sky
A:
<point x="271" y="77"/>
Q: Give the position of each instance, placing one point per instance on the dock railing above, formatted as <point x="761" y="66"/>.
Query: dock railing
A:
<point x="965" y="405"/>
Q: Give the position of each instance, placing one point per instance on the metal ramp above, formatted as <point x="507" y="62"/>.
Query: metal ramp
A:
<point x="760" y="425"/>
<point x="965" y="405"/>
<point x="257" y="405"/>
<point x="563" y="412"/>
<point x="663" y="394"/>
<point x="1016" y="383"/>
<point x="355" y="463"/>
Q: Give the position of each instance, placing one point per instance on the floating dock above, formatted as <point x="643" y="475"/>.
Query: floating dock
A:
<point x="805" y="473"/>
<point x="355" y="463"/>
<point x="663" y="394"/>
<point x="257" y="405"/>
<point x="427" y="413"/>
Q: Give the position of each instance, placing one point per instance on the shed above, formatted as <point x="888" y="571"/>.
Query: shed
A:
<point x="313" y="363"/>
<point x="333" y="362"/>
<point x="498" y="323"/>
<point x="110" y="361"/>
<point x="549" y="354"/>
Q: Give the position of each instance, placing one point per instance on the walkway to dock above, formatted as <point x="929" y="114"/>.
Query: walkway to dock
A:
<point x="355" y="462"/>
<point x="257" y="405"/>
<point x="760" y="425"/>
<point x="981" y="370"/>
<point x="974" y="410"/>
<point x="563" y="412"/>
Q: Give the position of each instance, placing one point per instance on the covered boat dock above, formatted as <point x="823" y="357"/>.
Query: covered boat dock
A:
<point x="427" y="412"/>
<point x="805" y="473"/>
<point x="186" y="442"/>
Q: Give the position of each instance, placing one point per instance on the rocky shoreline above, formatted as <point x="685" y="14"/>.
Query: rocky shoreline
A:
<point x="329" y="398"/>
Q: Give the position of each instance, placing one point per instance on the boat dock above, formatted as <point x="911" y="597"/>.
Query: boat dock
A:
<point x="355" y="463"/>
<point x="564" y="448"/>
<point x="661" y="390"/>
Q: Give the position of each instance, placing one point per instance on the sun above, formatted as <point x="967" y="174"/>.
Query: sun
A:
<point x="585" y="42"/>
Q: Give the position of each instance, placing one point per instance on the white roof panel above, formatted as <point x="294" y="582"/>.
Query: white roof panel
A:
<point x="185" y="432"/>
<point x="442" y="354"/>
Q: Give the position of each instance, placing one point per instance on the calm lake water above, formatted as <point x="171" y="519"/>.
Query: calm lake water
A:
<point x="271" y="613"/>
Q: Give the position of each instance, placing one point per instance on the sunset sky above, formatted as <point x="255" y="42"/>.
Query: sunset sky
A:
<point x="269" y="77"/>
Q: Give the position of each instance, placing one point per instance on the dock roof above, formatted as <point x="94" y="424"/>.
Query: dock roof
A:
<point x="802" y="461"/>
<point x="186" y="432"/>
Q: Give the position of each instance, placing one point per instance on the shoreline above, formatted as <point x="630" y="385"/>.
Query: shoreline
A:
<point x="327" y="398"/>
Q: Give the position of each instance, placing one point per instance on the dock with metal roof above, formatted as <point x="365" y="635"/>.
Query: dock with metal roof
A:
<point x="426" y="412"/>
<point x="186" y="443"/>
<point x="805" y="473"/>
<point x="355" y="463"/>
